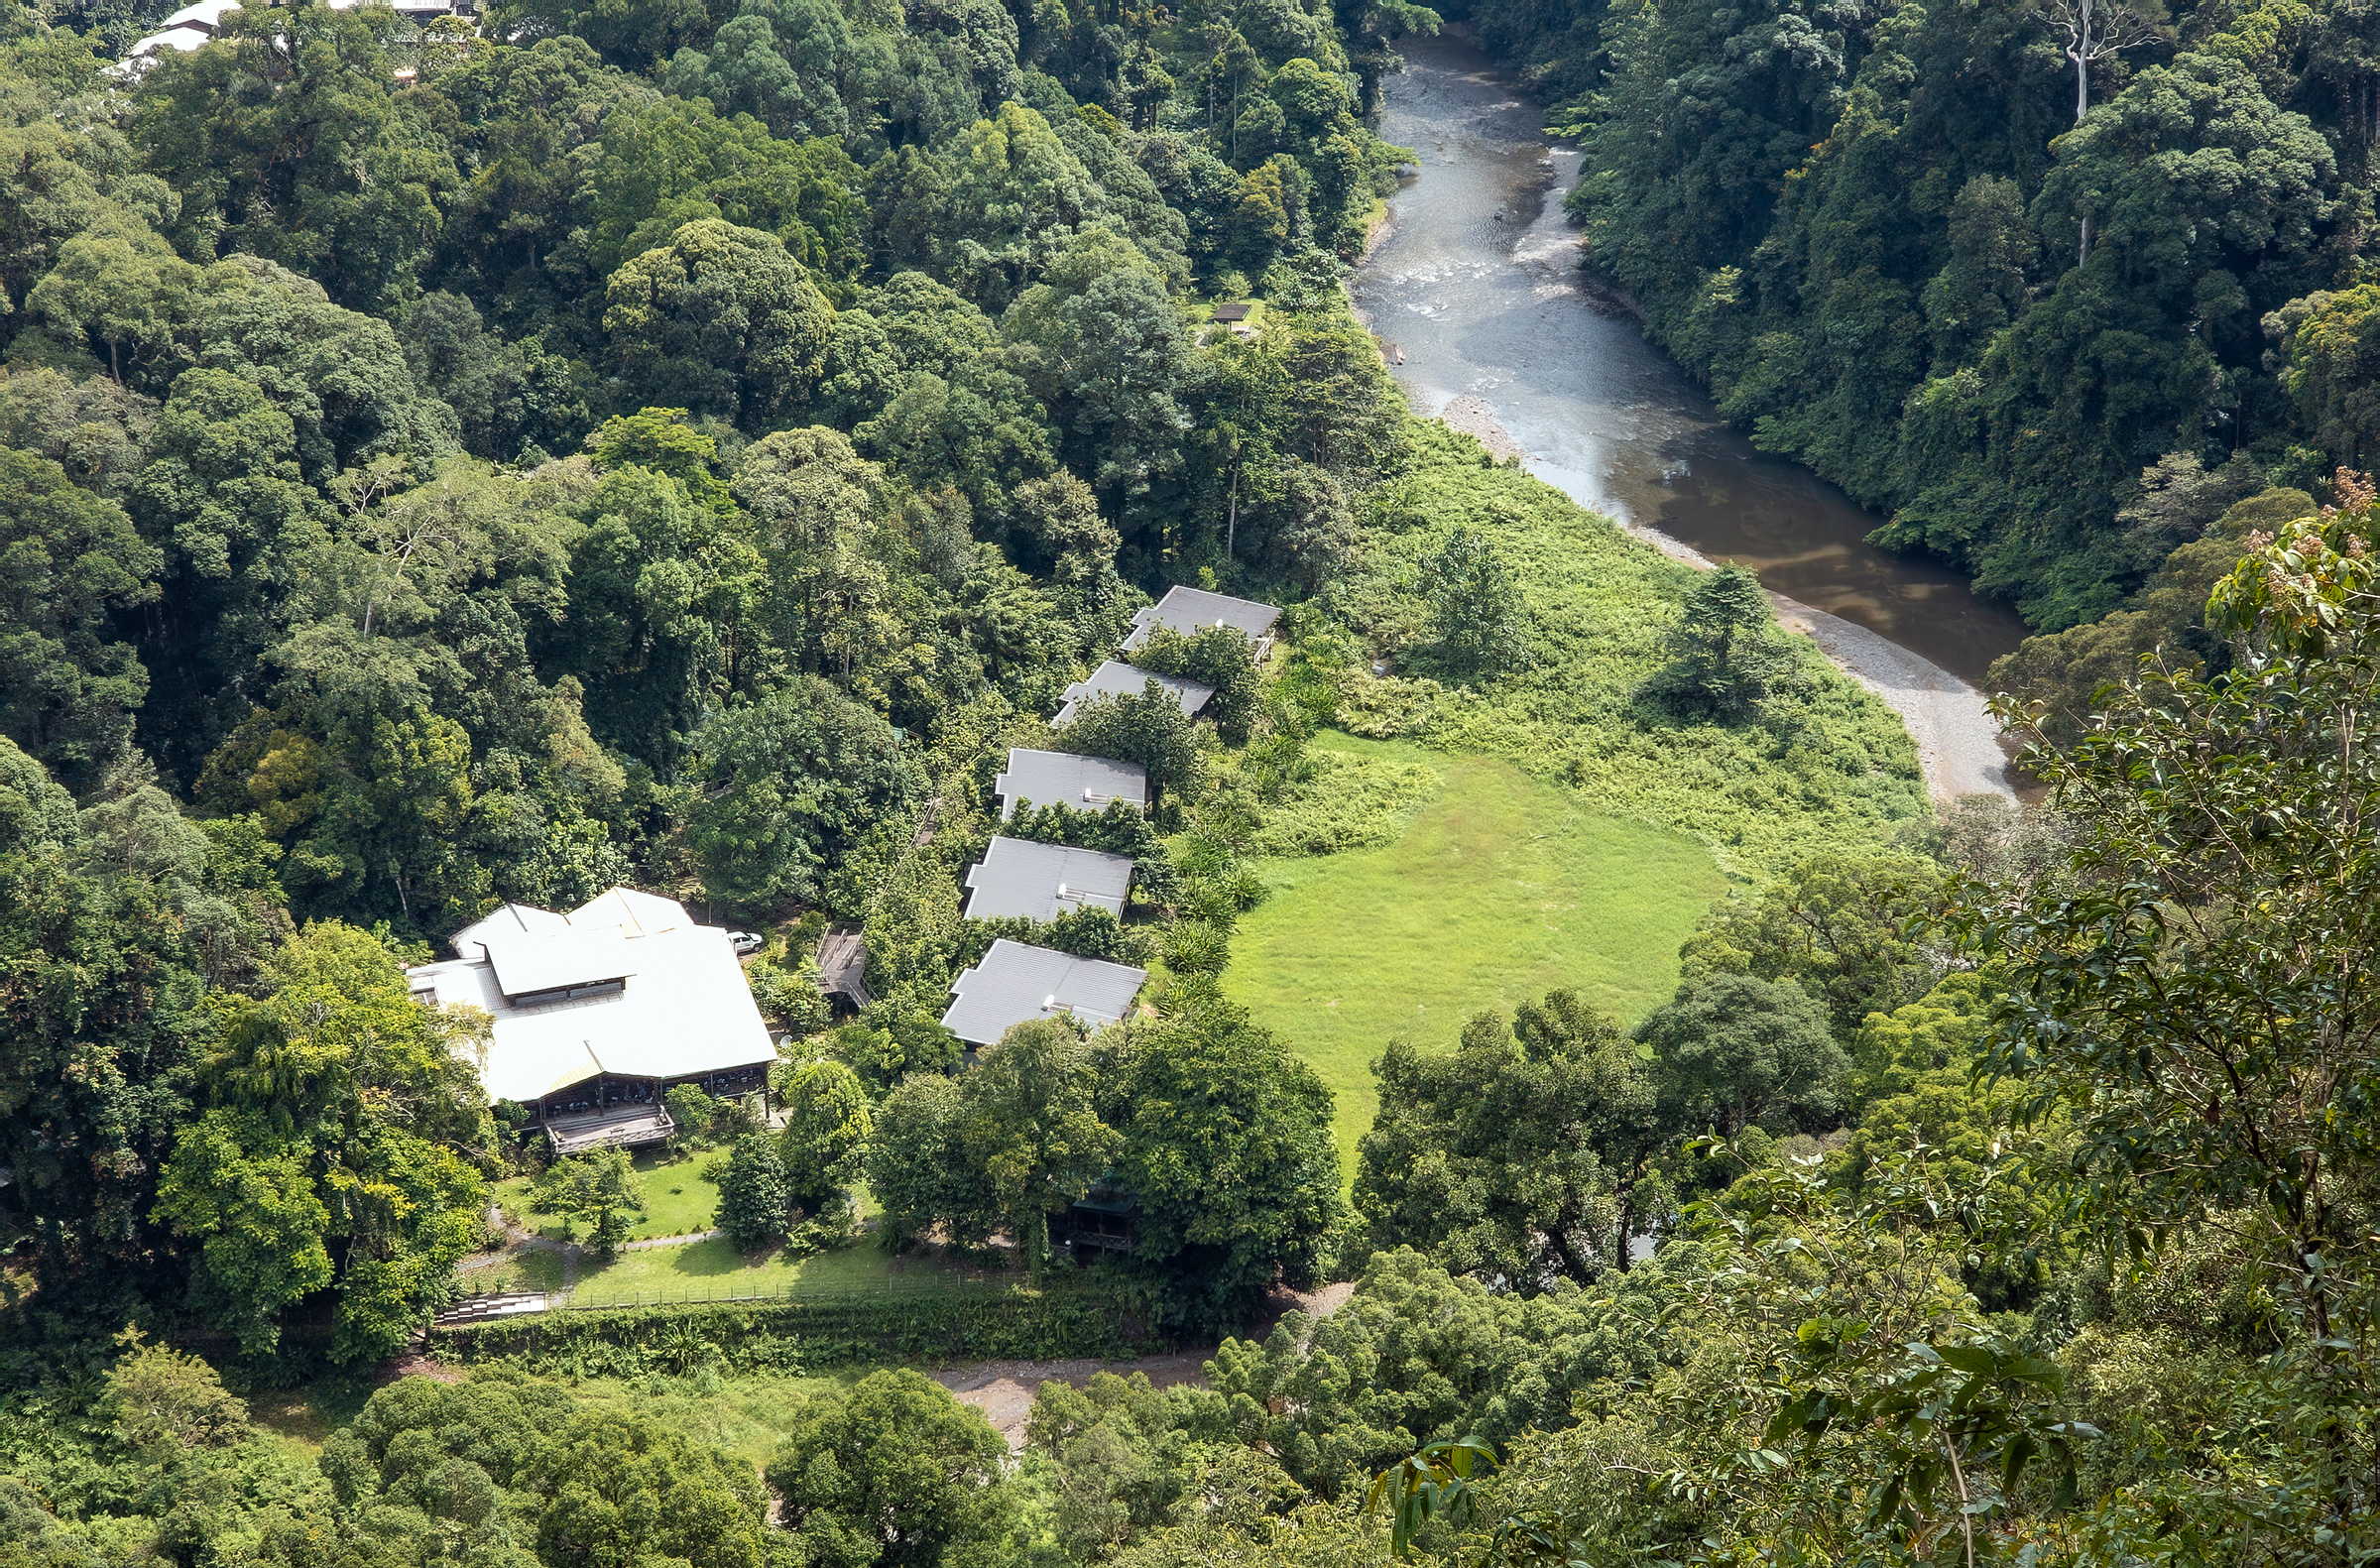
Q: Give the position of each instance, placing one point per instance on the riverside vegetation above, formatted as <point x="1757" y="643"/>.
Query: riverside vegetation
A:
<point x="687" y="447"/>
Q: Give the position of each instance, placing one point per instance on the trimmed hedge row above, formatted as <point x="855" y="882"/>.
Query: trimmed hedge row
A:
<point x="802" y="1334"/>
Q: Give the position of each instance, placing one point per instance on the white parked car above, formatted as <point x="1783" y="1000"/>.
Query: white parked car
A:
<point x="744" y="942"/>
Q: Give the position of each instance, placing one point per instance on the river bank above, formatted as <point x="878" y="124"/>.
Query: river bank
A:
<point x="1473" y="289"/>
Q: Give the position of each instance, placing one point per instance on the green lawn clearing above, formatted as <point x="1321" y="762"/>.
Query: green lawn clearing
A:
<point x="1499" y="889"/>
<point x="713" y="1267"/>
<point x="677" y="1200"/>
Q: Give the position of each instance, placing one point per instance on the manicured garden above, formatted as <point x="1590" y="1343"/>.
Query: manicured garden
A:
<point x="1498" y="889"/>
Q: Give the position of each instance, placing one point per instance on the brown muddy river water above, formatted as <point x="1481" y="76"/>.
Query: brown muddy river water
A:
<point x="1475" y="284"/>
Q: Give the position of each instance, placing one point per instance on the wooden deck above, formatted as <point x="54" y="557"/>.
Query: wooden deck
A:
<point x="622" y="1127"/>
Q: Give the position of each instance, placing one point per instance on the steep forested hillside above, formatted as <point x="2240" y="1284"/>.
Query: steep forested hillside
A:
<point x="1983" y="283"/>
<point x="462" y="460"/>
<point x="688" y="446"/>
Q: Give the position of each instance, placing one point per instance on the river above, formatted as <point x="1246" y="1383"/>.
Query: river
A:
<point x="1475" y="293"/>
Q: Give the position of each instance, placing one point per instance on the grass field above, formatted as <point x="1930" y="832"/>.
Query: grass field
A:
<point x="714" y="1266"/>
<point x="677" y="1201"/>
<point x="1499" y="889"/>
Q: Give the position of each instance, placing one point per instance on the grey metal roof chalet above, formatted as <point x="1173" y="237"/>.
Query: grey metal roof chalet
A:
<point x="1086" y="783"/>
<point x="1015" y="983"/>
<point x="1191" y="611"/>
<point x="1112" y="680"/>
<point x="1040" y="882"/>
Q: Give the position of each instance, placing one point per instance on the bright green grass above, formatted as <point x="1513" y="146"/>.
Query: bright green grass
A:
<point x="711" y="1268"/>
<point x="1499" y="889"/>
<point x="677" y="1201"/>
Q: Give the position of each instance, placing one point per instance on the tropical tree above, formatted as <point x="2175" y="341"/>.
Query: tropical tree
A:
<point x="1523" y="1158"/>
<point x="1227" y="1151"/>
<point x="894" y="1474"/>
<point x="2193" y="993"/>
<point x="756" y="1200"/>
<point x="721" y="320"/>
<point x="601" y="1188"/>
<point x="1474" y="605"/>
<point x="1028" y="1129"/>
<point x="68" y="561"/>
<point x="1725" y="653"/>
<point x="828" y="1125"/>
<point x="338" y="1108"/>
<point x="1733" y="1051"/>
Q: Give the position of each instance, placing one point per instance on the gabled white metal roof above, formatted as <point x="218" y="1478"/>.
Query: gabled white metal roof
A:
<point x="1017" y="878"/>
<point x="1086" y="783"/>
<point x="1112" y="680"/>
<point x="1191" y="611"/>
<point x="1015" y="983"/>
<point x="681" y="1008"/>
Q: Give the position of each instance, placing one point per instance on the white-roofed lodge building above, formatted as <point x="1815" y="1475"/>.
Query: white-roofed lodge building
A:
<point x="599" y="1012"/>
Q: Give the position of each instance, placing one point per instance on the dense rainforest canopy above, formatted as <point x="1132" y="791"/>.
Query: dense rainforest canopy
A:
<point x="2049" y="284"/>
<point x="496" y="459"/>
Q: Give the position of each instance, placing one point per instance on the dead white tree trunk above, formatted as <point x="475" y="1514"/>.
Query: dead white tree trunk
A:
<point x="2092" y="31"/>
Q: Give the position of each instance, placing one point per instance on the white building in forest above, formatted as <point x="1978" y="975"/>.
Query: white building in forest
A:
<point x="598" y="1012"/>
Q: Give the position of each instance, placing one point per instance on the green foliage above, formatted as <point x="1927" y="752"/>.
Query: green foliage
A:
<point x="1844" y="930"/>
<point x="600" y="1187"/>
<point x="333" y="1110"/>
<point x="1522" y="1159"/>
<point x="782" y="63"/>
<point x="1734" y="1051"/>
<point x="1227" y="1150"/>
<point x="1726" y="653"/>
<point x="791" y="782"/>
<point x="1057" y="1318"/>
<point x="1026" y="1134"/>
<point x="718" y="320"/>
<point x="1344" y="802"/>
<point x="1216" y="655"/>
<point x="1895" y="254"/>
<point x="790" y="997"/>
<point x="828" y="1125"/>
<point x="1089" y="932"/>
<point x="2163" y="993"/>
<point x="463" y="1470"/>
<point x="1474" y="607"/>
<point x="1827" y="766"/>
<point x="756" y="1197"/>
<point x="1118" y="1464"/>
<point x="68" y="558"/>
<point x="692" y="1114"/>
<point x="104" y="1015"/>
<point x="321" y="169"/>
<point x="1415" y="1355"/>
<point x="1146" y="727"/>
<point x="2065" y="672"/>
<point x="891" y="1041"/>
<point x="894" y="1472"/>
<point x="160" y="1400"/>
